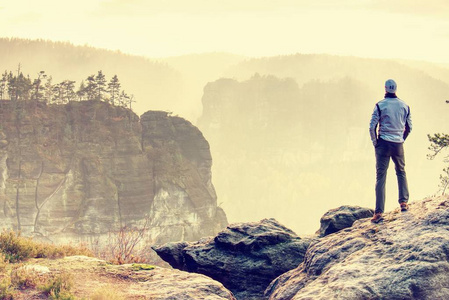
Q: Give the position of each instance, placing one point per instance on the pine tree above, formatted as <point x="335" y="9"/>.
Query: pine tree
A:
<point x="131" y="101"/>
<point x="123" y="99"/>
<point x="114" y="90"/>
<point x="19" y="87"/>
<point x="24" y="87"/>
<point x="38" y="87"/>
<point x="91" y="88"/>
<point x="100" y="80"/>
<point x="48" y="91"/>
<point x="438" y="143"/>
<point x="57" y="94"/>
<point x="68" y="91"/>
<point x="4" y="85"/>
<point x="81" y="93"/>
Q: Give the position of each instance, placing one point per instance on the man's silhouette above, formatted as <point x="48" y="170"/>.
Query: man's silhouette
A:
<point x="392" y="116"/>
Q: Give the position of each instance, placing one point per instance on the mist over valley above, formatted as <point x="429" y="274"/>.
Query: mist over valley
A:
<point x="288" y="134"/>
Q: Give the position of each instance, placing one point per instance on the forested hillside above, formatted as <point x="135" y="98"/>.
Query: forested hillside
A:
<point x="154" y="85"/>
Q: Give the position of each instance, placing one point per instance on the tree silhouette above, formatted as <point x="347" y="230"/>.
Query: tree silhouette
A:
<point x="91" y="88"/>
<point x="81" y="93"/>
<point x="48" y="91"/>
<point x="100" y="80"/>
<point x="114" y="90"/>
<point x="123" y="99"/>
<point x="131" y="101"/>
<point x="95" y="87"/>
<point x="438" y="143"/>
<point x="3" y="85"/>
<point x="57" y="94"/>
<point x="19" y="87"/>
<point x="68" y="91"/>
<point x="38" y="87"/>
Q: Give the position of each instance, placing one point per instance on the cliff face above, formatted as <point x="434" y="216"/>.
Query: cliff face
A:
<point x="86" y="168"/>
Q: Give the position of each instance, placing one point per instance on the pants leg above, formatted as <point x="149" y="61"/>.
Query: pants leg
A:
<point x="382" y="162"/>
<point x="398" y="158"/>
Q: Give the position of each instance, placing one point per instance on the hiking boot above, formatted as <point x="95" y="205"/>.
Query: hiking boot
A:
<point x="404" y="206"/>
<point x="377" y="218"/>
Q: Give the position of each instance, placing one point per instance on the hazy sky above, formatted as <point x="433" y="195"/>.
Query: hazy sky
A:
<point x="414" y="29"/>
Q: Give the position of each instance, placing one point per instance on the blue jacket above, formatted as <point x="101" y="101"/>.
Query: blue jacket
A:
<point x="394" y="120"/>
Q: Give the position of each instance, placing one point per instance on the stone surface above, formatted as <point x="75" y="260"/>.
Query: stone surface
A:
<point x="78" y="171"/>
<point x="245" y="257"/>
<point x="405" y="257"/>
<point x="342" y="217"/>
<point x="91" y="275"/>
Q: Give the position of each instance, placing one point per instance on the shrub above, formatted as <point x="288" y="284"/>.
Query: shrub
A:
<point x="3" y="263"/>
<point x="15" y="247"/>
<point x="122" y="246"/>
<point x="22" y="278"/>
<point x="58" y="287"/>
<point x="6" y="290"/>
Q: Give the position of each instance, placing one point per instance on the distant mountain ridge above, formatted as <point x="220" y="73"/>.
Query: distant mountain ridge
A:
<point x="176" y="83"/>
<point x="307" y="144"/>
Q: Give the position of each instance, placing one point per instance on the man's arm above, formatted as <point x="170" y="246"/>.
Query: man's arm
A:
<point x="408" y="125"/>
<point x="375" y="117"/>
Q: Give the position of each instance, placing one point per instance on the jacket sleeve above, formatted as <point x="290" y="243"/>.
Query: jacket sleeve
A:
<point x="408" y="125"/>
<point x="373" y="125"/>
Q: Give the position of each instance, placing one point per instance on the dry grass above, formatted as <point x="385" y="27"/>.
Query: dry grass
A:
<point x="14" y="276"/>
<point x="107" y="293"/>
<point x="16" y="248"/>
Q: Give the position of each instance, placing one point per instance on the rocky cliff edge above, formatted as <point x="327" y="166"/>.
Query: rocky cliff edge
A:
<point x="405" y="257"/>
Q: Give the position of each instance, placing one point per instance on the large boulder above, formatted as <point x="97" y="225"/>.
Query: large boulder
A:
<point x="342" y="217"/>
<point x="245" y="257"/>
<point x="405" y="257"/>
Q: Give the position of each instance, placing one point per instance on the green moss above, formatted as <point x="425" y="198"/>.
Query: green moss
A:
<point x="138" y="267"/>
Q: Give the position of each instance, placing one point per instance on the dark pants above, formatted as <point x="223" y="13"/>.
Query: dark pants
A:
<point x="385" y="150"/>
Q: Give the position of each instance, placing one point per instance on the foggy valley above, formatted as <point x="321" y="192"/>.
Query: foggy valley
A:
<point x="224" y="150"/>
<point x="288" y="134"/>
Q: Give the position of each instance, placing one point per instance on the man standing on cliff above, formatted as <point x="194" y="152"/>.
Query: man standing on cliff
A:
<point x="392" y="116"/>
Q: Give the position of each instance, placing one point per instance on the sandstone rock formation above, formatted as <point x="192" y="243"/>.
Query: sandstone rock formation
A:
<point x="405" y="257"/>
<point x="245" y="257"/>
<point x="342" y="217"/>
<point x="80" y="170"/>
<point x="91" y="276"/>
